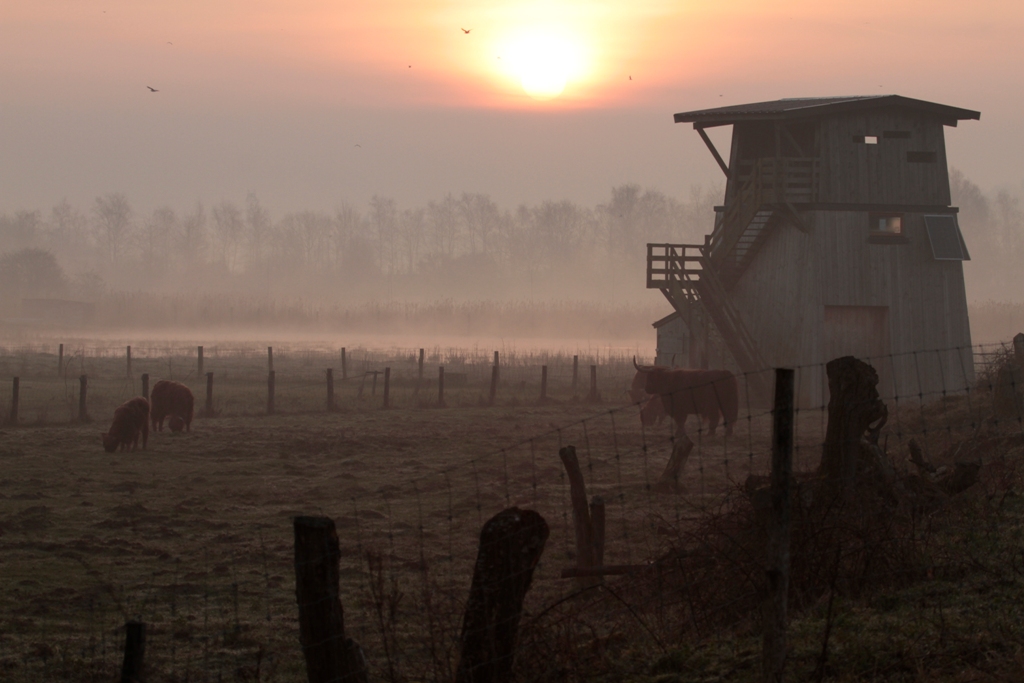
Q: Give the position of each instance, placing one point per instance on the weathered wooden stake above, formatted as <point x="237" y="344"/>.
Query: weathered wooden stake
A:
<point x="344" y="365"/>
<point x="145" y="385"/>
<point x="330" y="391"/>
<point x="129" y="358"/>
<point x="270" y="393"/>
<point x="773" y="653"/>
<point x="419" y="376"/>
<point x="13" y="419"/>
<point x="199" y="360"/>
<point x="440" y="387"/>
<point x="60" y="361"/>
<point x="593" y="396"/>
<point x="387" y="387"/>
<point x="83" y="388"/>
<point x="543" y="383"/>
<point x="494" y="383"/>
<point x="668" y="482"/>
<point x="134" y="652"/>
<point x="330" y="656"/>
<point x="511" y="544"/>
<point x="597" y="526"/>
<point x="270" y="358"/>
<point x="575" y="373"/>
<point x="209" y="395"/>
<point x="1018" y="349"/>
<point x="580" y="512"/>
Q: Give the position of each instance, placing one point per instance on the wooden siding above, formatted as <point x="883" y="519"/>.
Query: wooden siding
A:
<point x="783" y="294"/>
<point x="880" y="173"/>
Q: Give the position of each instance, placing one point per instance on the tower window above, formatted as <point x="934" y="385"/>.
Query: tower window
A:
<point x="886" y="228"/>
<point x="866" y="139"/>
<point x="922" y="157"/>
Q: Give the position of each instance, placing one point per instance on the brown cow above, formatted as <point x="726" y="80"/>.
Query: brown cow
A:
<point x="130" y="419"/>
<point x="678" y="392"/>
<point x="171" y="398"/>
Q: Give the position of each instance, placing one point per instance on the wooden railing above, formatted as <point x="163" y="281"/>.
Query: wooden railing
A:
<point x="787" y="180"/>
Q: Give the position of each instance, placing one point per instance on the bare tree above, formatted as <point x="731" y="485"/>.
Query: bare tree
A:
<point x="192" y="237"/>
<point x="227" y="217"/>
<point x="257" y="220"/>
<point x="113" y="215"/>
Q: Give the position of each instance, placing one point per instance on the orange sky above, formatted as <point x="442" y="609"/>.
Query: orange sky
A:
<point x="272" y="66"/>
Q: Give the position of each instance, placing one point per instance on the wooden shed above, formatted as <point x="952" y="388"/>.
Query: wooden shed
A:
<point x="836" y="237"/>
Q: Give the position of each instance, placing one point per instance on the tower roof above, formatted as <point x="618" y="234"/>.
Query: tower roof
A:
<point x="803" y="107"/>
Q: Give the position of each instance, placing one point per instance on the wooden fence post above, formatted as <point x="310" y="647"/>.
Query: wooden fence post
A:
<point x="270" y="358"/>
<point x="208" y="411"/>
<point x="597" y="526"/>
<point x="580" y="514"/>
<point x="511" y="544"/>
<point x="440" y="387"/>
<point x="128" y="355"/>
<point x="593" y="396"/>
<point x="575" y="373"/>
<point x="330" y="391"/>
<point x="270" y="393"/>
<point x="543" y="384"/>
<point x="330" y="656"/>
<point x="387" y="387"/>
<point x="83" y="388"/>
<point x="60" y="361"/>
<point x="853" y="406"/>
<point x="199" y="360"/>
<point x="494" y="383"/>
<point x="134" y="652"/>
<point x="13" y="419"/>
<point x="145" y="385"/>
<point x="344" y="365"/>
<point x="773" y="653"/>
<point x="419" y="376"/>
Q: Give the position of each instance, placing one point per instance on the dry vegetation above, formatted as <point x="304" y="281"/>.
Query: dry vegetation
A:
<point x="194" y="535"/>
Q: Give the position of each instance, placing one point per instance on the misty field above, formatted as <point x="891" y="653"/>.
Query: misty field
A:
<point x="194" y="534"/>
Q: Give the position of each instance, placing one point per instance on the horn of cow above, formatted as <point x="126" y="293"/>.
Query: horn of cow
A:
<point x="642" y="368"/>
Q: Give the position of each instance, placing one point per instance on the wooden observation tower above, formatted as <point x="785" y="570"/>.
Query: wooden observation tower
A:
<point x="836" y="237"/>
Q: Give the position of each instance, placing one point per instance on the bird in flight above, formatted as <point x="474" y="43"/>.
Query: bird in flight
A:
<point x="152" y="89"/>
<point x="465" y="30"/>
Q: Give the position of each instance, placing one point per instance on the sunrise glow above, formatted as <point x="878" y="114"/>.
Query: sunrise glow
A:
<point x="543" y="60"/>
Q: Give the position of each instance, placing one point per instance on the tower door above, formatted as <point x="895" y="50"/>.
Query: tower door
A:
<point x="862" y="332"/>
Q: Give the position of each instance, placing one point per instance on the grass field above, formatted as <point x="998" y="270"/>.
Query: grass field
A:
<point x="193" y="535"/>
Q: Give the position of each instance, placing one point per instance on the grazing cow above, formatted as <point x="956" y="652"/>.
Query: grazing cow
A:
<point x="175" y="423"/>
<point x="710" y="394"/>
<point x="130" y="419"/>
<point x="651" y="410"/>
<point x="171" y="398"/>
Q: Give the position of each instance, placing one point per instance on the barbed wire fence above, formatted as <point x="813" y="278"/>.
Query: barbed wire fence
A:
<point x="204" y="555"/>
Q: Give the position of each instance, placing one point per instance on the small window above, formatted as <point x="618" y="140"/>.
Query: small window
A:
<point x="896" y="134"/>
<point x="922" y="157"/>
<point x="866" y="139"/>
<point x="886" y="228"/>
<point x="945" y="238"/>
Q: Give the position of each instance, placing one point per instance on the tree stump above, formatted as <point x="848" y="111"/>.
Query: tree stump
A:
<point x="853" y="407"/>
<point x="511" y="544"/>
<point x="330" y="656"/>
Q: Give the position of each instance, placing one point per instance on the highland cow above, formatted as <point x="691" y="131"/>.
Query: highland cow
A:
<point x="130" y="419"/>
<point x="171" y="398"/>
<point x="175" y="423"/>
<point x="711" y="394"/>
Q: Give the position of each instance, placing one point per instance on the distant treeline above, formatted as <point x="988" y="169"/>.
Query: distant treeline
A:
<point x="993" y="228"/>
<point x="458" y="247"/>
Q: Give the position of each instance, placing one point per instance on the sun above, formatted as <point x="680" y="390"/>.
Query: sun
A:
<point x="544" y="61"/>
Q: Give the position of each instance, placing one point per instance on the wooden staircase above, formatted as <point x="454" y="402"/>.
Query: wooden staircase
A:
<point x="767" y="190"/>
<point x="686" y="276"/>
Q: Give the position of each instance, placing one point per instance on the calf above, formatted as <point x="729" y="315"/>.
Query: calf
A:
<point x="130" y="419"/>
<point x="171" y="398"/>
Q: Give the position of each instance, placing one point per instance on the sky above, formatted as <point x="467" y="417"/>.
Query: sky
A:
<point x="310" y="103"/>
